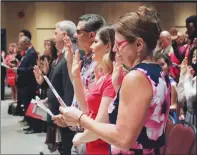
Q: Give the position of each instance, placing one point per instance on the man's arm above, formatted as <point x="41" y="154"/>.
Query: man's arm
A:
<point x="31" y="63"/>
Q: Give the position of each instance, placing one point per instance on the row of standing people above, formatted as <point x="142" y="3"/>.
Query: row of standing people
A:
<point x="91" y="85"/>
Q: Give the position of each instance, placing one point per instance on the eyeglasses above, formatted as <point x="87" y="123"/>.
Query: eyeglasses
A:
<point x="79" y="31"/>
<point x="119" y="44"/>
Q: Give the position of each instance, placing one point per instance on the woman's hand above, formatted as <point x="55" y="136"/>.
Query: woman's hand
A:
<point x="59" y="121"/>
<point x="184" y="67"/>
<point x="76" y="65"/>
<point x="70" y="115"/>
<point x="117" y="75"/>
<point x="3" y="54"/>
<point x="38" y="75"/>
<point x="174" y="33"/>
<point x="77" y="139"/>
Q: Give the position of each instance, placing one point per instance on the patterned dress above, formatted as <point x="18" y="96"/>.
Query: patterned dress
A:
<point x="152" y="135"/>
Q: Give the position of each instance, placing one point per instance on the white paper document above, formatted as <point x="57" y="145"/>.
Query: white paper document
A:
<point x="55" y="92"/>
<point x="4" y="65"/>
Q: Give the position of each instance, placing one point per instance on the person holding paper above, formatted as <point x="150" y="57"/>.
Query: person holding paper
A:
<point x="26" y="81"/>
<point x="61" y="81"/>
<point x="101" y="92"/>
<point x="87" y="27"/>
<point x="139" y="114"/>
<point x="11" y="62"/>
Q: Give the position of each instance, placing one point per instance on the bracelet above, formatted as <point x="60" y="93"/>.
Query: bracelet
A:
<point x="80" y="118"/>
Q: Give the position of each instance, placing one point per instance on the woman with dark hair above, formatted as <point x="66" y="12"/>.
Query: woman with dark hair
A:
<point x="51" y="50"/>
<point x="46" y="62"/>
<point x="164" y="61"/>
<point x="140" y="111"/>
<point x="100" y="93"/>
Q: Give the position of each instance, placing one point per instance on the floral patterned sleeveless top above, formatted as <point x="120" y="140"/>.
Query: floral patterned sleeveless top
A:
<point x="152" y="135"/>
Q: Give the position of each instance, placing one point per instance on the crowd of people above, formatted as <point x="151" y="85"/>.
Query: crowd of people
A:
<point x="119" y="82"/>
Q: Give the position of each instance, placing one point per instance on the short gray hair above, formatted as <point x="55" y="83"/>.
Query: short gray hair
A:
<point x="67" y="26"/>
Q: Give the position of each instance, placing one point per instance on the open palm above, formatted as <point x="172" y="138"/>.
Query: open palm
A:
<point x="76" y="65"/>
<point x="69" y="54"/>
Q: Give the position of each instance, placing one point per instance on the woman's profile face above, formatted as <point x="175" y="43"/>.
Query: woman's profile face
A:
<point x="163" y="65"/>
<point x="99" y="49"/>
<point x="194" y="57"/>
<point x="127" y="51"/>
<point x="48" y="48"/>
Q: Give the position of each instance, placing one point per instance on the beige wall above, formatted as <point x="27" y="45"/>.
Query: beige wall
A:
<point x="41" y="17"/>
<point x="13" y="24"/>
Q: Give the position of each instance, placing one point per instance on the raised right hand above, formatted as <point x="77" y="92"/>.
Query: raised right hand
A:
<point x="117" y="75"/>
<point x="3" y="55"/>
<point x="184" y="66"/>
<point x="69" y="54"/>
<point x="45" y="66"/>
<point x="174" y="33"/>
<point x="76" y="65"/>
<point x="38" y="75"/>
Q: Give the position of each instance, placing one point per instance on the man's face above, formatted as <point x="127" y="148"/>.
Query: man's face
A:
<point x="21" y="34"/>
<point x="58" y="37"/>
<point x="164" y="42"/>
<point x="84" y="39"/>
<point x="22" y="45"/>
<point x="190" y="30"/>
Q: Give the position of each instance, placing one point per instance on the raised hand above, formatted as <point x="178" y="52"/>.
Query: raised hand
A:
<point x="195" y="42"/>
<point x="38" y="75"/>
<point x="3" y="55"/>
<point x="45" y="66"/>
<point x="184" y="66"/>
<point x="190" y="71"/>
<point x="117" y="75"/>
<point x="69" y="54"/>
<point x="76" y="65"/>
<point x="174" y="33"/>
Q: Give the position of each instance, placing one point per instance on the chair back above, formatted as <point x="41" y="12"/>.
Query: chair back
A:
<point x="169" y="126"/>
<point x="194" y="150"/>
<point x="181" y="139"/>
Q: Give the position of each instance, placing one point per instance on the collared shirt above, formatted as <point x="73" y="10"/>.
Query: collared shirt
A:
<point x="28" y="49"/>
<point x="87" y="71"/>
<point x="168" y="50"/>
<point x="59" y="55"/>
<point x="26" y="53"/>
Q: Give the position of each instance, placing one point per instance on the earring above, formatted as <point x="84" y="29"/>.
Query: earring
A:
<point x="138" y="53"/>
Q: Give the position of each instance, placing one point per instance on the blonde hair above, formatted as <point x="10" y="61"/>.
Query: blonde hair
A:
<point x="107" y="63"/>
<point x="107" y="35"/>
<point x="13" y="44"/>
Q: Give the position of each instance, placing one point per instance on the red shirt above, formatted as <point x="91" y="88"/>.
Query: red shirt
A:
<point x="101" y="88"/>
<point x="9" y="58"/>
<point x="175" y="72"/>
